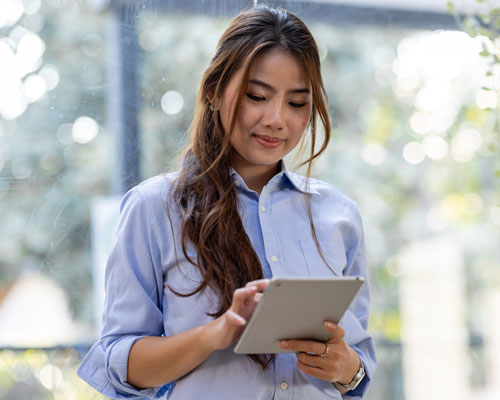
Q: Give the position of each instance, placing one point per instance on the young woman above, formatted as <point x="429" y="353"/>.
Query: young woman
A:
<point x="193" y="249"/>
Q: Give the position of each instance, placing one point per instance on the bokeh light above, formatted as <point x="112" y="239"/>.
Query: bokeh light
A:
<point x="435" y="147"/>
<point x="373" y="154"/>
<point x="10" y="12"/>
<point x="31" y="6"/>
<point x="51" y="76"/>
<point x="472" y="204"/>
<point x="84" y="129"/>
<point x="34" y="87"/>
<point x="465" y="144"/>
<point x="172" y="102"/>
<point x="50" y="376"/>
<point x="413" y="153"/>
<point x="487" y="99"/>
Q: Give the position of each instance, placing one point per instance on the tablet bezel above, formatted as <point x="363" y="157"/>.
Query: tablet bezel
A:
<point x="274" y="319"/>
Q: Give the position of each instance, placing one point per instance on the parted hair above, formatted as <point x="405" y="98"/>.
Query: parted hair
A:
<point x="203" y="190"/>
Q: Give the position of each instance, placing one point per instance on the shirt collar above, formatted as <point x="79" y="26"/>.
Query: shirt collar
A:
<point x="299" y="182"/>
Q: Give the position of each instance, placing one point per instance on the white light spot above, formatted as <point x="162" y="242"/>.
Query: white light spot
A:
<point x="16" y="35"/>
<point x="172" y="102"/>
<point x="29" y="51"/>
<point x="84" y="129"/>
<point x="435" y="147"/>
<point x="434" y="96"/>
<point x="413" y="153"/>
<point x="51" y="76"/>
<point x="31" y="6"/>
<point x="50" y="376"/>
<point x="10" y="12"/>
<point x="408" y="82"/>
<point x="373" y="154"/>
<point x="420" y="123"/>
<point x="473" y="204"/>
<point x="487" y="99"/>
<point x="34" y="87"/>
<point x="465" y="144"/>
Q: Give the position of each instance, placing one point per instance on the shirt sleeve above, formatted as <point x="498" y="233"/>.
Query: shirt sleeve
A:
<point x="133" y="306"/>
<point x="356" y="318"/>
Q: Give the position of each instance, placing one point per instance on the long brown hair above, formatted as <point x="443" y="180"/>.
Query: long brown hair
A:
<point x="204" y="190"/>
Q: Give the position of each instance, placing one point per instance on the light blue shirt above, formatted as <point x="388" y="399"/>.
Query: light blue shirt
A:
<point x="146" y="257"/>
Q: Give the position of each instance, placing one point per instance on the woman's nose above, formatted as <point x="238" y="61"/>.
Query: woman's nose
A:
<point x="274" y="116"/>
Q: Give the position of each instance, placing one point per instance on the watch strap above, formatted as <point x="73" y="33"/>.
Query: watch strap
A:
<point x="356" y="380"/>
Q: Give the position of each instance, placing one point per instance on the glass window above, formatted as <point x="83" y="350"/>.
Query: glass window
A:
<point x="94" y="100"/>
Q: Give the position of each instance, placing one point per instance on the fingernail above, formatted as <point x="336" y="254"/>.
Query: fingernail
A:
<point x="284" y="344"/>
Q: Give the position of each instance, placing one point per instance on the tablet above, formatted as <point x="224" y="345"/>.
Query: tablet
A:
<point x="296" y="308"/>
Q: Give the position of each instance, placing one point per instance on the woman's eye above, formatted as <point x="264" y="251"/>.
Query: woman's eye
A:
<point x="297" y="105"/>
<point x="255" y="98"/>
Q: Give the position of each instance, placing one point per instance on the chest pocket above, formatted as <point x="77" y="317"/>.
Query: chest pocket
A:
<point x="334" y="253"/>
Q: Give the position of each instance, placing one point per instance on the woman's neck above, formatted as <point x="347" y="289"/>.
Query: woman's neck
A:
<point x="256" y="176"/>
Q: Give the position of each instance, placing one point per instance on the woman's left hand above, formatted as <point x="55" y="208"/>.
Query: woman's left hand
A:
<point x="339" y="364"/>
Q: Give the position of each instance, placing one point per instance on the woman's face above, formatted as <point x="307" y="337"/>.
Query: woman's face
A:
<point x="274" y="112"/>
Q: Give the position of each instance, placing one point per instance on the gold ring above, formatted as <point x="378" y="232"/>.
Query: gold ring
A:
<point x="325" y="353"/>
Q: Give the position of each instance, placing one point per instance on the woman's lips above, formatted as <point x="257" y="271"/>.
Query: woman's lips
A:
<point x="268" y="141"/>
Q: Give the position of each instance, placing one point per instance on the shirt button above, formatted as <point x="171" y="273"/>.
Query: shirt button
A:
<point x="283" y="386"/>
<point x="262" y="208"/>
<point x="287" y="188"/>
<point x="237" y="183"/>
<point x="274" y="258"/>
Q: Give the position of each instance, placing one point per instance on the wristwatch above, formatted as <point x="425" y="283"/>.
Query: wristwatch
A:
<point x="356" y="380"/>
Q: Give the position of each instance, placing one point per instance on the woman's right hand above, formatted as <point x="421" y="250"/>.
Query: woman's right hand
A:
<point x="229" y="326"/>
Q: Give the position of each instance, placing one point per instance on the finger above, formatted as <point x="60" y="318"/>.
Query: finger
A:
<point x="261" y="284"/>
<point x="257" y="297"/>
<point x="313" y="371"/>
<point x="241" y="294"/>
<point x="336" y="332"/>
<point x="312" y="360"/>
<point x="306" y="346"/>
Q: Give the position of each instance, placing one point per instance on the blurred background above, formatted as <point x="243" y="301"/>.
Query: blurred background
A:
<point x="96" y="96"/>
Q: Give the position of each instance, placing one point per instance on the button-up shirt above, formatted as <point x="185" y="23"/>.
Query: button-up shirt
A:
<point x="146" y="258"/>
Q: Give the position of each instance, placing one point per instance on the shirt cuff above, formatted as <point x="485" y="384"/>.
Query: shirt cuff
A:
<point x="117" y="361"/>
<point x="362" y="388"/>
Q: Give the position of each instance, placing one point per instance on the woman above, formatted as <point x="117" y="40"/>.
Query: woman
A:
<point x="193" y="249"/>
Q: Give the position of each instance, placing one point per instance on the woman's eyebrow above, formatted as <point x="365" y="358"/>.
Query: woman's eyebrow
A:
<point x="267" y="86"/>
